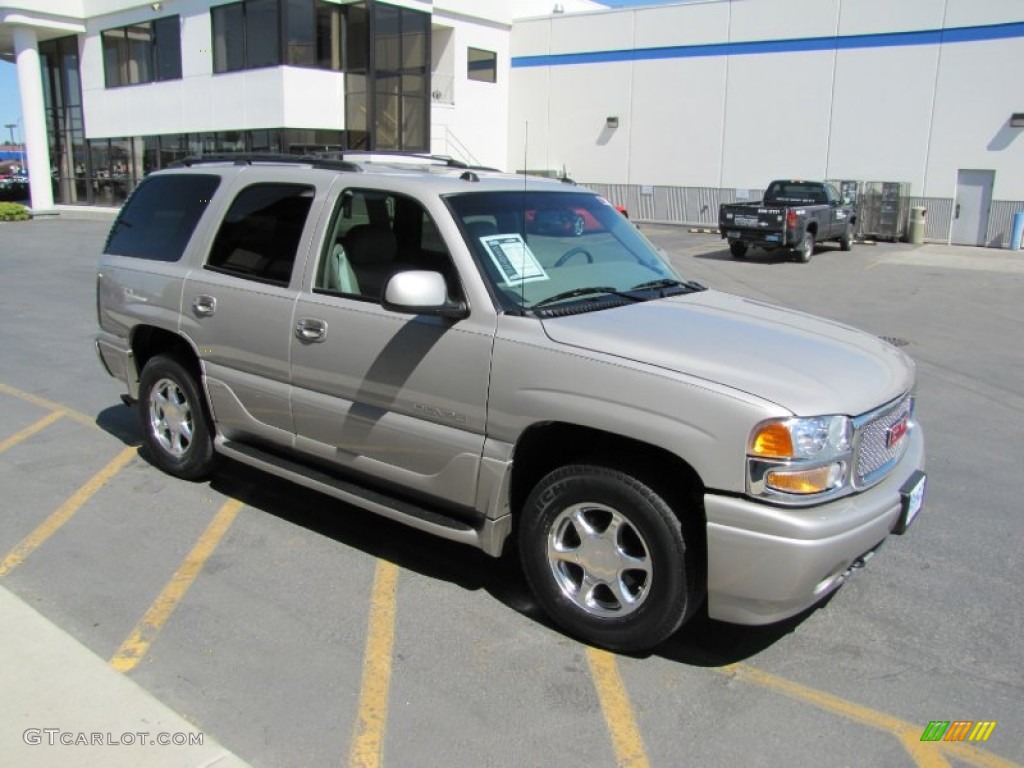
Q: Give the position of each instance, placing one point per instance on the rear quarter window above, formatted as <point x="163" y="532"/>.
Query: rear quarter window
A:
<point x="160" y="216"/>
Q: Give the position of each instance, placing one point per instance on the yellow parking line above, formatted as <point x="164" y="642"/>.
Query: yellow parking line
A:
<point x="65" y="512"/>
<point x="27" y="432"/>
<point x="924" y="754"/>
<point x="367" y="742"/>
<point x="618" y="712"/>
<point x="138" y="642"/>
<point x="49" y="405"/>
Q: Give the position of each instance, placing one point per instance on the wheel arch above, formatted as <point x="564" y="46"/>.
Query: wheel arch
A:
<point x="147" y="341"/>
<point x="546" y="446"/>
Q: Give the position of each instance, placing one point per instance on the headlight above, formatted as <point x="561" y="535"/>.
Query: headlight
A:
<point x="799" y="457"/>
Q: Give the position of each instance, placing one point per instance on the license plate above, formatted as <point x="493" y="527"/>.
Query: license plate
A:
<point x="912" y="500"/>
<point x="746" y="221"/>
<point x="732" y="234"/>
<point x="771" y="238"/>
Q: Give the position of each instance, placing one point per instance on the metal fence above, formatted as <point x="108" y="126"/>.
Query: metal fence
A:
<point x="698" y="207"/>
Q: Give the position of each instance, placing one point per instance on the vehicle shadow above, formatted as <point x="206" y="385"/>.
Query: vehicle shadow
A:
<point x="122" y="422"/>
<point x="761" y="257"/>
<point x="702" y="642"/>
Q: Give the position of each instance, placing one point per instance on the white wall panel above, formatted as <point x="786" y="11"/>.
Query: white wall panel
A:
<point x="881" y="114"/>
<point x="676" y="125"/>
<point x="592" y="32"/>
<point x="776" y="118"/>
<point x="969" y="13"/>
<point x="531" y="38"/>
<point x="973" y="103"/>
<point x="754" y="20"/>
<point x="582" y="97"/>
<point x="872" y="17"/>
<point x="528" y="135"/>
<point x="695" y="24"/>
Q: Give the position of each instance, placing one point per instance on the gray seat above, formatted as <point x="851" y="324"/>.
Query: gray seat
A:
<point x="372" y="253"/>
<point x="338" y="274"/>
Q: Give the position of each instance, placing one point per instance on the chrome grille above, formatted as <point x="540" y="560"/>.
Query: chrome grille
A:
<point x="874" y="457"/>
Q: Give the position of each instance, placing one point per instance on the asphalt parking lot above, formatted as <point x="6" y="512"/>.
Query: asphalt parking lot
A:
<point x="297" y="632"/>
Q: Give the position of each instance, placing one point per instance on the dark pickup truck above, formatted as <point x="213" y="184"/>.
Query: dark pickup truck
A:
<point x="793" y="214"/>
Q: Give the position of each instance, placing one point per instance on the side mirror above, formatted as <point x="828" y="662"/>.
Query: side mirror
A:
<point x="419" y="292"/>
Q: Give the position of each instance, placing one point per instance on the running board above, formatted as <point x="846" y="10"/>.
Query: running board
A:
<point x="405" y="512"/>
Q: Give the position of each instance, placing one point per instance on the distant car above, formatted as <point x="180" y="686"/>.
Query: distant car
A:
<point x="13" y="187"/>
<point x="565" y="221"/>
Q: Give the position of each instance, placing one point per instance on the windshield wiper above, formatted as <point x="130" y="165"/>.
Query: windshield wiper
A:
<point x="669" y="282"/>
<point x="575" y="292"/>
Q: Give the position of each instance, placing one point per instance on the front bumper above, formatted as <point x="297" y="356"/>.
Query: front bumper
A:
<point x="768" y="563"/>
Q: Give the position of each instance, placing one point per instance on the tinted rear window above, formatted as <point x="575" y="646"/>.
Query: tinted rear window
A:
<point x="159" y="218"/>
<point x="260" y="234"/>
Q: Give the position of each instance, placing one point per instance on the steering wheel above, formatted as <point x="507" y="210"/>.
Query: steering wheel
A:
<point x="572" y="252"/>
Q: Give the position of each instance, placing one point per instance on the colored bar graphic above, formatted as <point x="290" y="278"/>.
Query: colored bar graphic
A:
<point x="935" y="730"/>
<point x="958" y="730"/>
<point x="982" y="730"/>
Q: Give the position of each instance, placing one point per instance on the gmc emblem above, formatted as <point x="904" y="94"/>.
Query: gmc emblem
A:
<point x="896" y="432"/>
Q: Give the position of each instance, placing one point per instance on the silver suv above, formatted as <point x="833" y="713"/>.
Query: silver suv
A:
<point x="482" y="356"/>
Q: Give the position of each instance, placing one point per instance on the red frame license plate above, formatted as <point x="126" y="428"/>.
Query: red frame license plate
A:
<point x="911" y="500"/>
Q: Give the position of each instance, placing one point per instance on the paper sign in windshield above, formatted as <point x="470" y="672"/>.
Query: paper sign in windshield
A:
<point x="514" y="259"/>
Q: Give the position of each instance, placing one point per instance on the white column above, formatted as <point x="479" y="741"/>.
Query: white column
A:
<point x="37" y="148"/>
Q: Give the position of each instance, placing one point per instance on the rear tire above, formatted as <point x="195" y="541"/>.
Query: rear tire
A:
<point x="806" y="248"/>
<point x="175" y="427"/>
<point x="737" y="248"/>
<point x="606" y="558"/>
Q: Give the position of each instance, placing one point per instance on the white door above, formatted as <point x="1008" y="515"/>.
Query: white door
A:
<point x="971" y="207"/>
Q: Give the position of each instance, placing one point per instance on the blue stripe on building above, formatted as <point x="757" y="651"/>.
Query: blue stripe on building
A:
<point x="798" y="45"/>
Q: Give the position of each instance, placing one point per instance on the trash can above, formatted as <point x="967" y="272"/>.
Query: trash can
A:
<point x="1018" y="231"/>
<point x="915" y="232"/>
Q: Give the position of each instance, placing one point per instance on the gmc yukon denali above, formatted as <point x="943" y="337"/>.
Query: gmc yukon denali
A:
<point x="402" y="335"/>
<point x="793" y="214"/>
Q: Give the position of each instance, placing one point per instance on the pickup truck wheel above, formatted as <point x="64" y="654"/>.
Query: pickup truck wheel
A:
<point x="806" y="248"/>
<point x="175" y="427"/>
<point x="846" y="241"/>
<point x="605" y="556"/>
<point x="738" y="249"/>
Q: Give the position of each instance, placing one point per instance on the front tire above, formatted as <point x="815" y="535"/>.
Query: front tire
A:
<point x="606" y="558"/>
<point x="175" y="427"/>
<point x="846" y="241"/>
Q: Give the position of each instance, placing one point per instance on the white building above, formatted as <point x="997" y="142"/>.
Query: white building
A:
<point x="668" y="109"/>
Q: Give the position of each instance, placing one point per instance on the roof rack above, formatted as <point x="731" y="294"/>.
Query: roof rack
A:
<point x="248" y="158"/>
<point x="367" y="155"/>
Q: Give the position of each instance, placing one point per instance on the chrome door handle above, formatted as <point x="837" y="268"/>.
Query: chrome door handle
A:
<point x="204" y="305"/>
<point x="311" y="329"/>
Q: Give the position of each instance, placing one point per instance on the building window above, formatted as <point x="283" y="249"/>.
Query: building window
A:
<point x="142" y="53"/>
<point x="483" y="65"/>
<point x="268" y="33"/>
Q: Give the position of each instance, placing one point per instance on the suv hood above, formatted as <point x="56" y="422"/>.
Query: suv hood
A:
<point x="806" y="364"/>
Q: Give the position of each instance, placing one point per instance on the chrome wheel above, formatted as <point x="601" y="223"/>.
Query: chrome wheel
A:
<point x="170" y="417"/>
<point x="599" y="560"/>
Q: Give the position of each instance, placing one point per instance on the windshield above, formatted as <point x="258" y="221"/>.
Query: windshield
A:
<point x="553" y="251"/>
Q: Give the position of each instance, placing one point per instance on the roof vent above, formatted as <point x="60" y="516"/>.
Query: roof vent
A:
<point x="469" y="176"/>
